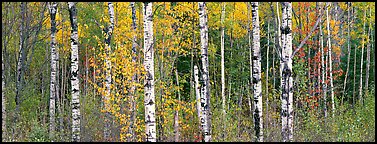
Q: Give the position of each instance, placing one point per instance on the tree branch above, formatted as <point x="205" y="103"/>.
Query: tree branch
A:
<point x="307" y="37"/>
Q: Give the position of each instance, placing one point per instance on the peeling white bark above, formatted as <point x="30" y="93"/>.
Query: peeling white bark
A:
<point x="330" y="60"/>
<point x="149" y="99"/>
<point x="53" y="11"/>
<point x="256" y="81"/>
<point x="286" y="72"/>
<point x="75" y="82"/>
<point x="205" y="99"/>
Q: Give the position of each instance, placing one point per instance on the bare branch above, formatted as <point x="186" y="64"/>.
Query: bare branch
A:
<point x="307" y="37"/>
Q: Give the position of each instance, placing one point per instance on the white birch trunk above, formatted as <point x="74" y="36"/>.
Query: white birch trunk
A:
<point x="250" y="57"/>
<point x="368" y="55"/>
<point x="223" y="67"/>
<point x="149" y="99"/>
<point x="286" y="72"/>
<point x="330" y="60"/>
<point x="53" y="11"/>
<point x="197" y="92"/>
<point x="323" y="68"/>
<point x="362" y="61"/>
<point x="176" y="116"/>
<point x="257" y="83"/>
<point x="75" y="82"/>
<point x="205" y="99"/>
<point x="268" y="50"/>
<point x="108" y="81"/>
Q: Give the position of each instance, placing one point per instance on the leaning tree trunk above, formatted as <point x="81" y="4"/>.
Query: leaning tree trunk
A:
<point x="223" y="69"/>
<point x="348" y="49"/>
<point x="133" y="88"/>
<point x="21" y="59"/>
<point x="330" y="61"/>
<point x="53" y="10"/>
<point x="362" y="61"/>
<point x="75" y="82"/>
<point x="257" y="83"/>
<point x="205" y="99"/>
<point x="368" y="56"/>
<point x="324" y="84"/>
<point x="149" y="99"/>
<point x="286" y="72"/>
<point x="106" y="97"/>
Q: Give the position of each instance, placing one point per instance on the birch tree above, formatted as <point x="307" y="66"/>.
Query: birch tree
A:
<point x="149" y="99"/>
<point x="176" y="116"/>
<point x="249" y="36"/>
<point x="197" y="93"/>
<point x="257" y="83"/>
<point x="21" y="57"/>
<point x="368" y="54"/>
<point x="362" y="60"/>
<point x="106" y="97"/>
<point x="348" y="47"/>
<point x="323" y="68"/>
<point x="286" y="72"/>
<point x="75" y="82"/>
<point x="205" y="97"/>
<point x="52" y="10"/>
<point x="330" y="59"/>
<point x="223" y="67"/>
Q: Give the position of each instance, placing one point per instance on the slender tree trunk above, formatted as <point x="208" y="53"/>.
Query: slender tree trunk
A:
<point x="362" y="61"/>
<point x="230" y="76"/>
<point x="267" y="70"/>
<point x="205" y="100"/>
<point x="366" y="87"/>
<point x="223" y="69"/>
<point x="257" y="68"/>
<point x="133" y="88"/>
<point x="75" y="82"/>
<point x="21" y="59"/>
<point x="330" y="61"/>
<point x="176" y="116"/>
<point x="149" y="100"/>
<point x="323" y="69"/>
<point x="354" y="77"/>
<point x="57" y="88"/>
<point x="279" y="26"/>
<point x="53" y="10"/>
<point x="108" y="82"/>
<point x="249" y="35"/>
<point x="348" y="49"/>
<point x="286" y="72"/>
